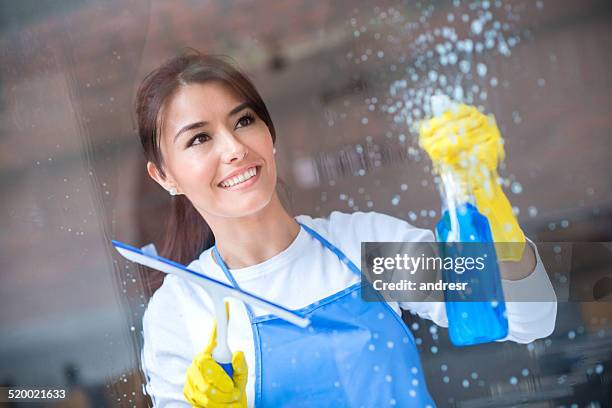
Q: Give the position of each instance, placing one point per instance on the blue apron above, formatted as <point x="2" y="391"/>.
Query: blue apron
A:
<point x="354" y="353"/>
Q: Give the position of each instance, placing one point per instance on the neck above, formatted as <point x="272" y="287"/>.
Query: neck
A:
<point x="249" y="240"/>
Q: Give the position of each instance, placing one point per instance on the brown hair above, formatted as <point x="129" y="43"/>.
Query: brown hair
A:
<point x="187" y="233"/>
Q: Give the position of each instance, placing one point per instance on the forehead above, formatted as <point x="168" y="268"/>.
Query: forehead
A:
<point x="198" y="102"/>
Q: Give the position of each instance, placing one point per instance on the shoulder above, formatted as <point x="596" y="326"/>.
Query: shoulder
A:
<point x="366" y="226"/>
<point x="348" y="230"/>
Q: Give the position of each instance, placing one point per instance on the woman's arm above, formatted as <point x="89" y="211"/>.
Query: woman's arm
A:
<point x="168" y="350"/>
<point x="516" y="270"/>
<point x="531" y="304"/>
<point x="163" y="364"/>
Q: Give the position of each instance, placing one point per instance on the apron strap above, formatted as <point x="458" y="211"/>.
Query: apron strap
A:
<point x="221" y="263"/>
<point x="343" y="258"/>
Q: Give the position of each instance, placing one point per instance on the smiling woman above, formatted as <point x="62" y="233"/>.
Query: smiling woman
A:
<point x="202" y="125"/>
<point x="209" y="139"/>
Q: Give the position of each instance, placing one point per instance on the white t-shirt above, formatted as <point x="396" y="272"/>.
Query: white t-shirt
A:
<point x="178" y="321"/>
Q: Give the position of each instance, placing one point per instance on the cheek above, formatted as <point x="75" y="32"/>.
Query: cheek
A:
<point x="264" y="144"/>
<point x="196" y="172"/>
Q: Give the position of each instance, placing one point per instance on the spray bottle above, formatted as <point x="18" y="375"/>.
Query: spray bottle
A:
<point x="478" y="314"/>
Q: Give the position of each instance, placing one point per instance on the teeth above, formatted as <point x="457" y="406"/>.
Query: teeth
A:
<point x="240" y="178"/>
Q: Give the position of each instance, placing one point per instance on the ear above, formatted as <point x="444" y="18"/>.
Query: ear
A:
<point x="166" y="182"/>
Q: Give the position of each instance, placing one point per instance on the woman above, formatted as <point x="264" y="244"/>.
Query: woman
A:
<point x="209" y="141"/>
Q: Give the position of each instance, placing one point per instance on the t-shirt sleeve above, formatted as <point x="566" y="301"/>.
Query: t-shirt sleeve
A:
<point x="529" y="320"/>
<point x="166" y="353"/>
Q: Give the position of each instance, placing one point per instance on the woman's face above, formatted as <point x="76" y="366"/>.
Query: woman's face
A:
<point x="216" y="151"/>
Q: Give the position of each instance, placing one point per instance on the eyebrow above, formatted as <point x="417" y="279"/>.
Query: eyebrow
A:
<point x="196" y="125"/>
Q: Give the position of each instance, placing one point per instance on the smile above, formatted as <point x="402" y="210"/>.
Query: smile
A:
<point x="245" y="179"/>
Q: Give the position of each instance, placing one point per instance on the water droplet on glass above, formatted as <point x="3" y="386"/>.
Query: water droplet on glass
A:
<point x="481" y="69"/>
<point x="477" y="26"/>
<point x="532" y="211"/>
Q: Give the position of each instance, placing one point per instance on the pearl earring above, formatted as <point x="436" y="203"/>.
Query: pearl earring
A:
<point x="274" y="150"/>
<point x="172" y="191"/>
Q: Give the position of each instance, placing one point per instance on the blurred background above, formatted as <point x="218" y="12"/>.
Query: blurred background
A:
<point x="345" y="82"/>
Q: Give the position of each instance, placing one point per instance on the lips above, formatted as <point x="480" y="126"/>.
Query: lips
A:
<point x="240" y="177"/>
<point x="237" y="172"/>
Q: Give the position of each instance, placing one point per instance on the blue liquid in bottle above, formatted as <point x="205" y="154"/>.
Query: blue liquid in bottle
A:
<point x="477" y="315"/>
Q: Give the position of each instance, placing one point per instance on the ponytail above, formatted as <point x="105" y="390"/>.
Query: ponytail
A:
<point x="186" y="234"/>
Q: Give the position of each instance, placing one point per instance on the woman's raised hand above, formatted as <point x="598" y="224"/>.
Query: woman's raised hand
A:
<point x="469" y="143"/>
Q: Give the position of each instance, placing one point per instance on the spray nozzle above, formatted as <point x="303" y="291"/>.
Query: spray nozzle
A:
<point x="440" y="104"/>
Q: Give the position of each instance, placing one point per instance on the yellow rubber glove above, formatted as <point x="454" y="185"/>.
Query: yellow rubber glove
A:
<point x="469" y="143"/>
<point x="208" y="385"/>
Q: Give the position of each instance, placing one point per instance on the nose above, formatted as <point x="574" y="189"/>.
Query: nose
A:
<point x="233" y="149"/>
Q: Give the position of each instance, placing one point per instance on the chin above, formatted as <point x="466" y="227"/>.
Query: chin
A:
<point x="250" y="206"/>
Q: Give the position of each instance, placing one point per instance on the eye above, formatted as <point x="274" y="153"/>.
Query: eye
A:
<point x="245" y="120"/>
<point x="198" y="139"/>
